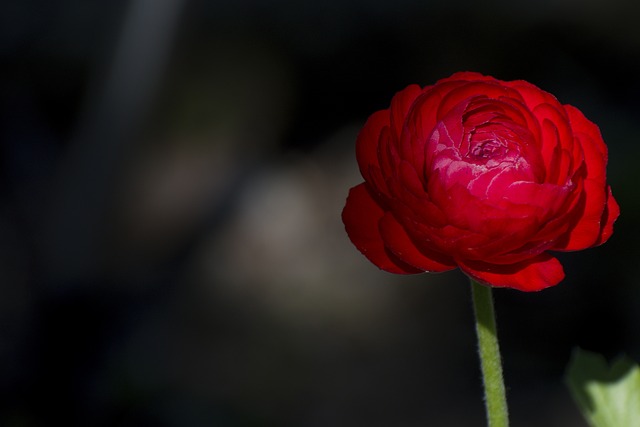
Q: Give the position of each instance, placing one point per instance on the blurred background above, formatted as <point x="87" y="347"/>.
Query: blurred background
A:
<point x="172" y="176"/>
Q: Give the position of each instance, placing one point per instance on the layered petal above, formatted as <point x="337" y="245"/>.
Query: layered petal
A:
<point x="361" y="217"/>
<point x="599" y="209"/>
<point x="400" y="106"/>
<point x="531" y="94"/>
<point x="399" y="243"/>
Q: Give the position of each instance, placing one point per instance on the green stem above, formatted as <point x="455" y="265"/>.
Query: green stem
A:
<point x="495" y="399"/>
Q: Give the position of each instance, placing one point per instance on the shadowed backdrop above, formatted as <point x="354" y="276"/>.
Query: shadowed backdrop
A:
<point x="173" y="171"/>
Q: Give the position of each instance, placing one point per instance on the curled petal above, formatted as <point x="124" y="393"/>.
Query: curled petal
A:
<point x="530" y="275"/>
<point x="609" y="216"/>
<point x="361" y="216"/>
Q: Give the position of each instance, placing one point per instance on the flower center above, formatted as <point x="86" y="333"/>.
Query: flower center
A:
<point x="488" y="149"/>
<point x="481" y="139"/>
<point x="494" y="145"/>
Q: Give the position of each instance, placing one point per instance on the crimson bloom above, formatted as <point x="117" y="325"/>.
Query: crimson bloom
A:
<point x="480" y="174"/>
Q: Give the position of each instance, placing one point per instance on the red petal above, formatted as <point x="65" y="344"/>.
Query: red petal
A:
<point x="557" y="159"/>
<point x="488" y="89"/>
<point x="609" y="216"/>
<point x="531" y="122"/>
<point x="587" y="230"/>
<point x="580" y="124"/>
<point x="361" y="216"/>
<point x="593" y="148"/>
<point x="596" y="220"/>
<point x="548" y="197"/>
<point x="555" y="131"/>
<point x="532" y="95"/>
<point x="367" y="142"/>
<point x="533" y="274"/>
<point x="467" y="76"/>
<point x="400" y="105"/>
<point x="387" y="155"/>
<point x="397" y="240"/>
<point x="421" y="124"/>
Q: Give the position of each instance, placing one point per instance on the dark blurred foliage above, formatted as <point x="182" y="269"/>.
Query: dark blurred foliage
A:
<point x="171" y="252"/>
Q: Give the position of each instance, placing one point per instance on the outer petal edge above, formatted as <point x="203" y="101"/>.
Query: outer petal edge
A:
<point x="534" y="274"/>
<point x="361" y="216"/>
<point x="399" y="242"/>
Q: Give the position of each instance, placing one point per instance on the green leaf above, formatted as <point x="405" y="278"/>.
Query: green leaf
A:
<point x="608" y="396"/>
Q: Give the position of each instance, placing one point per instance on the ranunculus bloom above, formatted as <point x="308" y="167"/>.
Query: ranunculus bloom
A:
<point x="480" y="174"/>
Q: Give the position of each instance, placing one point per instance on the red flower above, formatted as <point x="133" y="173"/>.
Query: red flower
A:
<point x="483" y="175"/>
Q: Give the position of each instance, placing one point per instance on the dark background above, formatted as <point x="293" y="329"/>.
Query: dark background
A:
<point x="172" y="175"/>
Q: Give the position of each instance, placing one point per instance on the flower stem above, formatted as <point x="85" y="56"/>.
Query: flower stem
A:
<point x="495" y="399"/>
